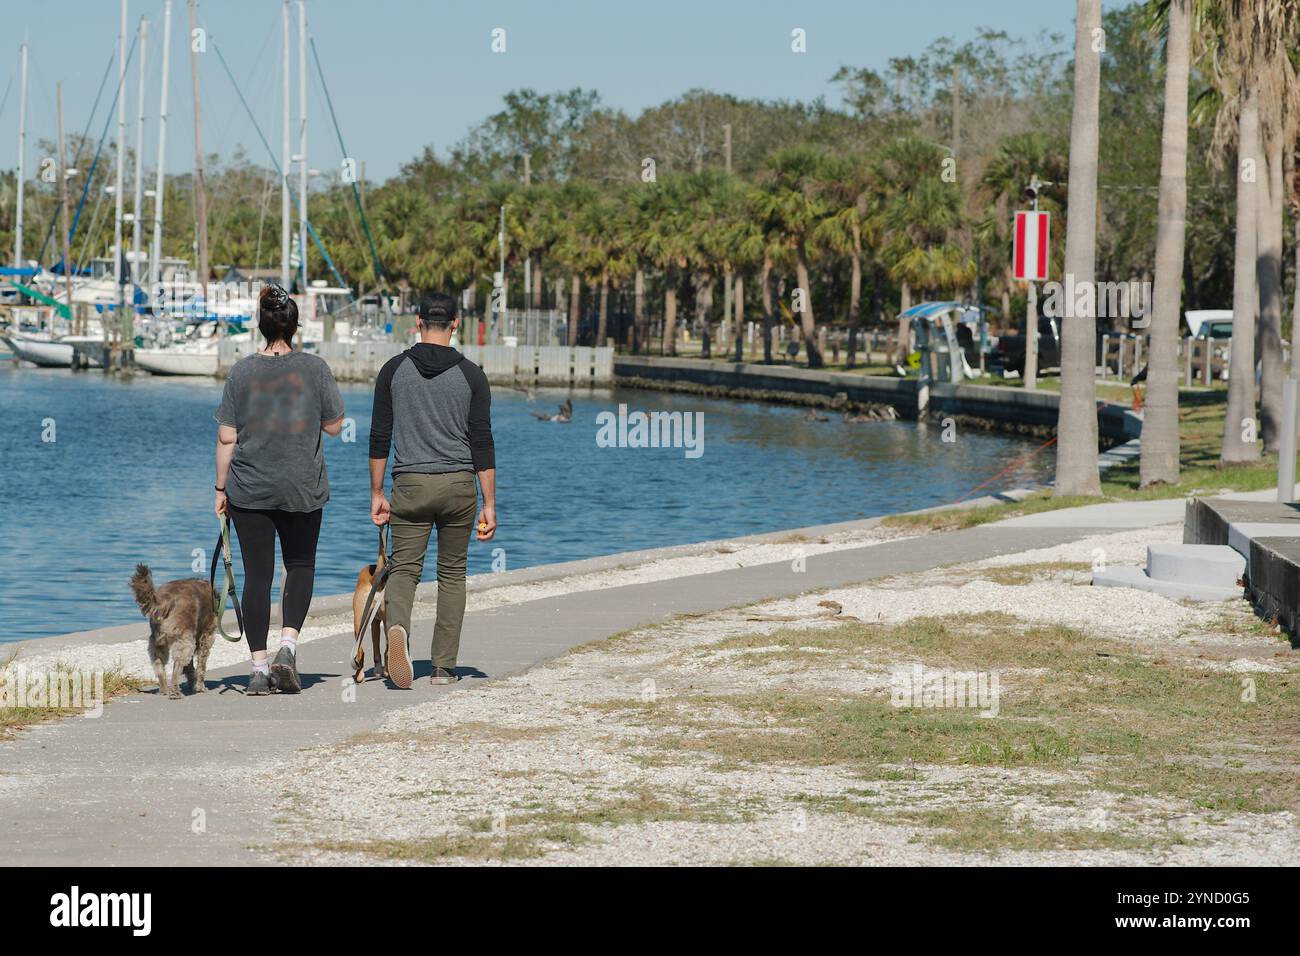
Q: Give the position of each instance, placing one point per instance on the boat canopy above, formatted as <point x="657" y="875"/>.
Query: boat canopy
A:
<point x="928" y="310"/>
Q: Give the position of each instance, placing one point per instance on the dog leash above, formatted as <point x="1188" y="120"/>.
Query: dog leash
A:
<point x="377" y="585"/>
<point x="219" y="599"/>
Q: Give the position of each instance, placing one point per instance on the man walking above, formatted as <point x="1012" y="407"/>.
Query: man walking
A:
<point x="433" y="406"/>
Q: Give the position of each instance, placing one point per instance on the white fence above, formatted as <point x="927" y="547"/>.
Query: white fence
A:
<point x="522" y="365"/>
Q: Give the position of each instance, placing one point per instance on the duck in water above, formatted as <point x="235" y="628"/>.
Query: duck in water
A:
<point x="565" y="413"/>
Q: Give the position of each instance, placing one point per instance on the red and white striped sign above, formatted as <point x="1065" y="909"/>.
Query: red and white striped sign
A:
<point x="1030" y="257"/>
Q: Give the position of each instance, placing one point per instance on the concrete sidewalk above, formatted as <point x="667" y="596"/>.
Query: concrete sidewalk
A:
<point x="161" y="782"/>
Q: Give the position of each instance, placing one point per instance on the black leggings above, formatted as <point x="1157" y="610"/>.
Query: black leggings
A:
<point x="257" y="530"/>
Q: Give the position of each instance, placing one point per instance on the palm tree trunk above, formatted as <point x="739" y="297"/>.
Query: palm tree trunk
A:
<point x="739" y="299"/>
<point x="1295" y="310"/>
<point x="1268" y="272"/>
<point x="765" y="283"/>
<point x="575" y="300"/>
<point x="903" y="347"/>
<point x="855" y="299"/>
<point x="638" y="298"/>
<point x="806" y="318"/>
<point x="1239" y="445"/>
<point x="537" y="284"/>
<point x="601" y="326"/>
<point x="1160" y="423"/>
<point x="669" y="346"/>
<point x="1076" y="427"/>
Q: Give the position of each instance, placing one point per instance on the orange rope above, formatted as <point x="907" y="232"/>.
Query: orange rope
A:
<point x="1010" y="467"/>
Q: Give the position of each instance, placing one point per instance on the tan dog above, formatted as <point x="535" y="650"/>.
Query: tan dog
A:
<point x="182" y="626"/>
<point x="365" y="581"/>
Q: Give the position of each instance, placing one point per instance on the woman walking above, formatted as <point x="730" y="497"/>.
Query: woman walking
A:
<point x="271" y="479"/>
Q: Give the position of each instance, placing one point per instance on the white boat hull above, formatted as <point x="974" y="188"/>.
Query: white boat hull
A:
<point x="177" y="361"/>
<point x="44" y="354"/>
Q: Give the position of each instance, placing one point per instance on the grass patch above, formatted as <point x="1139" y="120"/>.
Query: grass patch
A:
<point x="14" y="718"/>
<point x="984" y="830"/>
<point x="534" y="832"/>
<point x="1068" y="700"/>
<point x="484" y="847"/>
<point x="1200" y="433"/>
<point x="640" y="807"/>
<point x="1019" y="574"/>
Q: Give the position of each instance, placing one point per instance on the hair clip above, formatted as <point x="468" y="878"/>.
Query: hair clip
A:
<point x="273" y="296"/>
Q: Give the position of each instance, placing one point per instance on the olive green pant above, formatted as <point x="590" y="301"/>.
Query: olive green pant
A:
<point x="419" y="504"/>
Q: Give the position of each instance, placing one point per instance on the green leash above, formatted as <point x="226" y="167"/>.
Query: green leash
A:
<point x="219" y="598"/>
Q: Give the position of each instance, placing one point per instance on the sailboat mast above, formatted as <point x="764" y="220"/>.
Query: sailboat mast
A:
<point x="121" y="166"/>
<point x="302" y="142"/>
<point x="200" y="188"/>
<point x="284" y="151"/>
<point x="137" y="273"/>
<point x="63" y="203"/>
<point x="155" y="251"/>
<point x="22" y="155"/>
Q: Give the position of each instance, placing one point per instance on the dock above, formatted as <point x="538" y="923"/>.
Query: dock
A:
<point x="523" y="365"/>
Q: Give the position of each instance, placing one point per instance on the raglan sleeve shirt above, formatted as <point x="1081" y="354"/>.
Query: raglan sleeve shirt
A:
<point x="481" y="448"/>
<point x="381" y="413"/>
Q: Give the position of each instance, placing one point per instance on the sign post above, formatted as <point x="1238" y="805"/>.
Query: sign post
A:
<point x="1029" y="265"/>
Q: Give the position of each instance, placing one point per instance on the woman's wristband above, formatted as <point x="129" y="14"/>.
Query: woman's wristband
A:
<point x="222" y="490"/>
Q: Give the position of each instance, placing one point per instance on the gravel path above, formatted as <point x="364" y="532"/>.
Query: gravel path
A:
<point x="554" y="766"/>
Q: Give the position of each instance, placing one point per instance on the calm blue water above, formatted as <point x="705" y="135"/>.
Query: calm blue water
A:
<point x="129" y="479"/>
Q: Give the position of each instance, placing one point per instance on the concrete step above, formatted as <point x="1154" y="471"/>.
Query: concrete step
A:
<point x="1129" y="577"/>
<point x="1240" y="533"/>
<point x="1215" y="565"/>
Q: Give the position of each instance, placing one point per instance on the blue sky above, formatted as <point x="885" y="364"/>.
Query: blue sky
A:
<point x="404" y="73"/>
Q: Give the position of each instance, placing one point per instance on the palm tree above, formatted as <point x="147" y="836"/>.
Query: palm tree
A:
<point x="918" y="216"/>
<point x="663" y="222"/>
<point x="1160" y="446"/>
<point x="742" y="245"/>
<point x="1253" y="35"/>
<point x="846" y="183"/>
<point x="1278" y="108"/>
<point x="792" y="199"/>
<point x="1076" y="428"/>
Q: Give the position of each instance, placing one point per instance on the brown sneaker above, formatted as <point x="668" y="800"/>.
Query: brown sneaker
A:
<point x="444" y="675"/>
<point x="398" y="658"/>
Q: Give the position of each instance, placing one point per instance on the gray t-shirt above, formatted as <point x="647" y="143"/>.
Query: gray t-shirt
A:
<point x="278" y="404"/>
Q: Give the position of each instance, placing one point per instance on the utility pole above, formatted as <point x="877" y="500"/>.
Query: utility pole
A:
<point x="22" y="155"/>
<point x="956" y="111"/>
<point x="63" y="203"/>
<point x="1031" y="313"/>
<point x="286" y="230"/>
<point x="123" y="321"/>
<point x="726" y="273"/>
<point x="200" y="187"/>
<point x="155" y="252"/>
<point x="302" y="142"/>
<point x="137" y="272"/>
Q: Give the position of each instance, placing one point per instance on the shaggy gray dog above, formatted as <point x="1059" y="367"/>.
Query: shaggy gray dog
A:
<point x="182" y="626"/>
